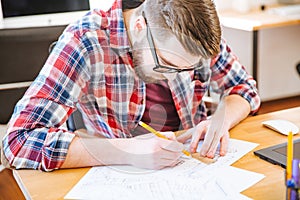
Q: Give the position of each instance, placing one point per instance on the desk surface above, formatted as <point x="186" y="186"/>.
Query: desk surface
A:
<point x="255" y="20"/>
<point x="55" y="185"/>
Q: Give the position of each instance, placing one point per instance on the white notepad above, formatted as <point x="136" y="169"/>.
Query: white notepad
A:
<point x="191" y="179"/>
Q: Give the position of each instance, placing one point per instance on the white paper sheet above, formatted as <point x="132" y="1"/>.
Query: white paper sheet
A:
<point x="191" y="179"/>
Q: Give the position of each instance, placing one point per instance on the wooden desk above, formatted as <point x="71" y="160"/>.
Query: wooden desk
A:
<point x="255" y="20"/>
<point x="55" y="185"/>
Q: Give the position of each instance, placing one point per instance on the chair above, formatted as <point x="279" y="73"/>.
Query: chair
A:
<point x="75" y="121"/>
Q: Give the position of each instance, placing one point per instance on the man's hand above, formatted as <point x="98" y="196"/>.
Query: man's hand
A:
<point x="145" y="151"/>
<point x="151" y="152"/>
<point x="231" y="110"/>
<point x="214" y="132"/>
<point x="217" y="132"/>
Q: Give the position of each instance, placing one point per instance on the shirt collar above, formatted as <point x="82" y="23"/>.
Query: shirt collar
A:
<point x="119" y="40"/>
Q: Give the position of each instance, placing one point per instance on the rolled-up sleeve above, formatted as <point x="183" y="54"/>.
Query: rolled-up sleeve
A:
<point x="36" y="137"/>
<point x="232" y="77"/>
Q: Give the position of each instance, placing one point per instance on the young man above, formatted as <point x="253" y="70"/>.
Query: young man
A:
<point x="154" y="63"/>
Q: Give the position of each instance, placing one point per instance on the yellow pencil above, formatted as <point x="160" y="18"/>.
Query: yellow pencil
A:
<point x="158" y="134"/>
<point x="289" y="159"/>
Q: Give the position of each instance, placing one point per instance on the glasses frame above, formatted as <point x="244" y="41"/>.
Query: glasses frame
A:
<point x="162" y="68"/>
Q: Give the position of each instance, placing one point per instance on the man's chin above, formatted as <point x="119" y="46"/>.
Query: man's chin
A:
<point x="147" y="78"/>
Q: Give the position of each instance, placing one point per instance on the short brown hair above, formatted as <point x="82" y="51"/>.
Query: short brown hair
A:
<point x="195" y="23"/>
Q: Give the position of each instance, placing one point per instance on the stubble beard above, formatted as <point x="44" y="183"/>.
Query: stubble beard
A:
<point x="140" y="65"/>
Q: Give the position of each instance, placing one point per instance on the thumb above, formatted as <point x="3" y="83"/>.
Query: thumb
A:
<point x="170" y="135"/>
<point x="170" y="145"/>
<point x="183" y="137"/>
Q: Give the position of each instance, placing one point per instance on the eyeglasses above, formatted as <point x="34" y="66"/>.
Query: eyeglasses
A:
<point x="162" y="68"/>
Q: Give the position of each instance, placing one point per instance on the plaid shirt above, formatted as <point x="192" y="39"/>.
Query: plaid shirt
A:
<point x="91" y="67"/>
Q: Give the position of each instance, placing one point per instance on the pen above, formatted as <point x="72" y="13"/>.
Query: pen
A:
<point x="293" y="183"/>
<point x="296" y="172"/>
<point x="158" y="134"/>
<point x="289" y="159"/>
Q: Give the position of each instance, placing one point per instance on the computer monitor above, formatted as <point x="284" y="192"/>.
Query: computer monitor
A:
<point x="36" y="13"/>
<point x="18" y="8"/>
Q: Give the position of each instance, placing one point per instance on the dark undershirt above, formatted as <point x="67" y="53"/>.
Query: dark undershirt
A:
<point x="160" y="112"/>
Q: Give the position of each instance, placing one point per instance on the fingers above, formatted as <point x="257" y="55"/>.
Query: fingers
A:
<point x="198" y="135"/>
<point x="163" y="163"/>
<point x="211" y="142"/>
<point x="170" y="153"/>
<point x="170" y="163"/>
<point x="224" y="144"/>
<point x="217" y="130"/>
<point x="169" y="145"/>
<point x="170" y="135"/>
<point x="161" y="159"/>
<point x="182" y="138"/>
<point x="209" y="137"/>
<point x="157" y="160"/>
<point x="195" y="141"/>
<point x="209" y="149"/>
<point x="152" y="152"/>
<point x="209" y="145"/>
<point x="215" y="134"/>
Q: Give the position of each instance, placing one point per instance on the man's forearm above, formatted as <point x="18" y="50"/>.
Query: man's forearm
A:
<point x="236" y="109"/>
<point x="86" y="151"/>
<point x="145" y="151"/>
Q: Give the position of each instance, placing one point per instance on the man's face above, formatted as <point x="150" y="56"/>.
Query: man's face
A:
<point x="169" y="52"/>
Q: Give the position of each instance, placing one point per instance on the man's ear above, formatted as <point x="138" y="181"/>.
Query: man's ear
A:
<point x="139" y="28"/>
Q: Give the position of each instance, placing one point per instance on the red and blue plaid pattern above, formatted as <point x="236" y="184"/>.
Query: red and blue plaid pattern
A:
<point x="91" y="67"/>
